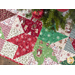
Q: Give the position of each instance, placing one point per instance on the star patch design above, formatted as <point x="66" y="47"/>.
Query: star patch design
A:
<point x="30" y="26"/>
<point x="25" y="44"/>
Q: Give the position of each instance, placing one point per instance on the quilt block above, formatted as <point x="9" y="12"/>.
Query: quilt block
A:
<point x="70" y="45"/>
<point x="25" y="41"/>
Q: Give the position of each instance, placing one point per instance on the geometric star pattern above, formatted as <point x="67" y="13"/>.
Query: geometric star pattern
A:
<point x="30" y="26"/>
<point x="50" y="36"/>
<point x="25" y="44"/>
<point x="42" y="51"/>
<point x="21" y="49"/>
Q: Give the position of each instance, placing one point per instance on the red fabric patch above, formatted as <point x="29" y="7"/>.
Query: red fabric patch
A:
<point x="31" y="26"/>
<point x="4" y="14"/>
<point x="73" y="42"/>
<point x="25" y="44"/>
<point x="25" y="41"/>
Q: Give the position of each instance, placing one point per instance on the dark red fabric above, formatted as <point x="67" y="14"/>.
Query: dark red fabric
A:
<point x="24" y="41"/>
<point x="25" y="44"/>
<point x="73" y="42"/>
<point x="4" y="14"/>
<point x="30" y="23"/>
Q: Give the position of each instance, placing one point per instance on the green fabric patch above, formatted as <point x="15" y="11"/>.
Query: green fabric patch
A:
<point x="1" y="34"/>
<point x="65" y="62"/>
<point x="50" y="36"/>
<point x="41" y="51"/>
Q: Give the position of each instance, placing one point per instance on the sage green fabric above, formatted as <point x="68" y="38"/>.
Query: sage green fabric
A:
<point x="50" y="36"/>
<point x="1" y="34"/>
<point x="46" y="52"/>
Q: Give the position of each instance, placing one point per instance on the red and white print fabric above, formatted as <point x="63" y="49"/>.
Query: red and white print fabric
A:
<point x="25" y="41"/>
<point x="25" y="44"/>
<point x="30" y="26"/>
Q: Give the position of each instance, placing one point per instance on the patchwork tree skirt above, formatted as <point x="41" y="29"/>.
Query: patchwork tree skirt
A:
<point x="25" y="41"/>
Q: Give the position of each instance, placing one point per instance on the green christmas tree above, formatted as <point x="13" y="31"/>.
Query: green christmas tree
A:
<point x="53" y="17"/>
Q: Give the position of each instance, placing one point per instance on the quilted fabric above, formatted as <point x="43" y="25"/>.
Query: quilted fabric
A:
<point x="70" y="45"/>
<point x="25" y="41"/>
<point x="69" y="61"/>
<point x="25" y="44"/>
<point x="30" y="26"/>
<point x="1" y="34"/>
<point x="41" y="51"/>
<point x="5" y="14"/>
<point x="50" y="36"/>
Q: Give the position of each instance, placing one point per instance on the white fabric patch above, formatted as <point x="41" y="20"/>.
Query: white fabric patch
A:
<point x="23" y="59"/>
<point x="9" y="49"/>
<point x="14" y="32"/>
<point x="17" y="24"/>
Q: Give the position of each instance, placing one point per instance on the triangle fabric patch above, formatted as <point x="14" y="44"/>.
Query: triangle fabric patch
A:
<point x="50" y="36"/>
<point x="69" y="47"/>
<point x="73" y="42"/>
<point x="25" y="44"/>
<point x="1" y="34"/>
<point x="4" y="14"/>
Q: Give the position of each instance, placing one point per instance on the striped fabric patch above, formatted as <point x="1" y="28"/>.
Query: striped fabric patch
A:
<point x="68" y="46"/>
<point x="72" y="35"/>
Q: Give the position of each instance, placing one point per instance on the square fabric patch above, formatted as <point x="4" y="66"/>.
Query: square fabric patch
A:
<point x="70" y="45"/>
